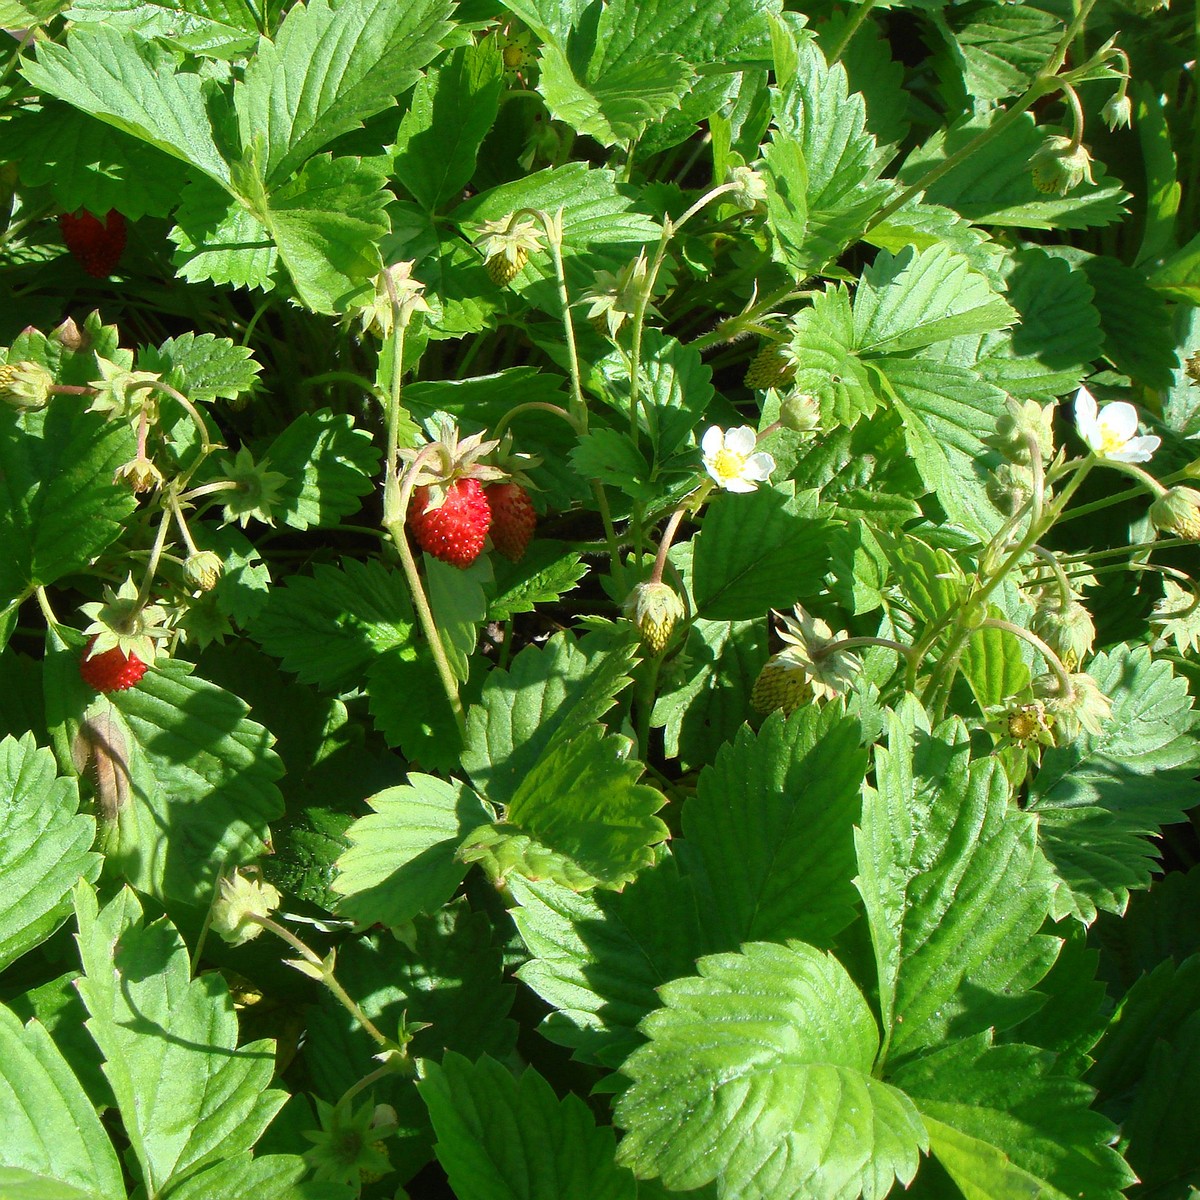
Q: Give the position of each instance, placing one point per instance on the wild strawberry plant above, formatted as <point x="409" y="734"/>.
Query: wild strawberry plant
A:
<point x="598" y="600"/>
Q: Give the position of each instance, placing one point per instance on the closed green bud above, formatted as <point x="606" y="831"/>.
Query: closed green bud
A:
<point x="203" y="569"/>
<point x="1060" y="165"/>
<point x="1009" y="487"/>
<point x="1021" y="426"/>
<point x="239" y="900"/>
<point x="800" y="413"/>
<point x="1178" y="513"/>
<point x="25" y="384"/>
<point x="1117" y="111"/>
<point x="1068" y="631"/>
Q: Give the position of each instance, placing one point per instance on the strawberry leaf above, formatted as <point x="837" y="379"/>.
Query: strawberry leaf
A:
<point x="45" y="845"/>
<point x="203" y="366"/>
<point x="54" y="1145"/>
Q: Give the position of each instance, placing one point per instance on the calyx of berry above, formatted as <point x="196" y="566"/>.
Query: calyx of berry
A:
<point x="451" y="458"/>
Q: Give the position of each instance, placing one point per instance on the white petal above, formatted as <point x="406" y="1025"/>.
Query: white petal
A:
<point x="1119" y="421"/>
<point x="1138" y="449"/>
<point x="740" y="440"/>
<point x="713" y="441"/>
<point x="739" y="485"/>
<point x="758" y="466"/>
<point x="1085" y="418"/>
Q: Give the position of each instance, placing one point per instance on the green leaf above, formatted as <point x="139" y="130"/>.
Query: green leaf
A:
<point x="739" y="577"/>
<point x="220" y="28"/>
<point x="327" y="222"/>
<point x="203" y="366"/>
<point x="133" y="85"/>
<point x="52" y="1135"/>
<point x="758" y="1074"/>
<point x="954" y="887"/>
<point x="548" y="695"/>
<point x="498" y="1135"/>
<point x="992" y="186"/>
<point x="770" y="831"/>
<point x="45" y="846"/>
<point x="88" y="164"/>
<point x="837" y="167"/>
<point x="1161" y="923"/>
<point x="579" y="817"/>
<point x="822" y="337"/>
<point x="452" y="109"/>
<point x="329" y="464"/>
<point x="206" y="774"/>
<point x="217" y="239"/>
<point x="545" y="573"/>
<point x="268" y="1177"/>
<point x="705" y="690"/>
<point x="947" y="411"/>
<point x="330" y="627"/>
<point x="61" y="507"/>
<point x="403" y="856"/>
<point x="188" y="1094"/>
<point x="427" y="732"/>
<point x="613" y="104"/>
<point x="915" y="299"/>
<point x="1001" y="48"/>
<point x="993" y="663"/>
<point x="456" y="596"/>
<point x="1099" y="799"/>
<point x="1004" y="1124"/>
<point x="598" y="958"/>
<point x="332" y="65"/>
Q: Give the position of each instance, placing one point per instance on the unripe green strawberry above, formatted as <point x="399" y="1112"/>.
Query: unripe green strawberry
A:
<point x="779" y="686"/>
<point x="513" y="518"/>
<point x="770" y="368"/>
<point x="456" y="529"/>
<point x="504" y="268"/>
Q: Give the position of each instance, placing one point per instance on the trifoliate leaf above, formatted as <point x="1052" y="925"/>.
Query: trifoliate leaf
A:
<point x="217" y="239"/>
<point x="191" y="1096"/>
<point x="499" y="1135"/>
<point x="220" y="28"/>
<point x="330" y="627"/>
<point x="548" y="695"/>
<point x="545" y="573"/>
<point x="329" y="464"/>
<point x="769" y="834"/>
<point x="758" y="1074"/>
<point x="1098" y="799"/>
<point x="599" y="957"/>
<point x="403" y="856"/>
<point x="579" y="817"/>
<point x="53" y="1139"/>
<point x="45" y="846"/>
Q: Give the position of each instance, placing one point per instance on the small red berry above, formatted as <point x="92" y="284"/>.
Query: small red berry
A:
<point x="97" y="247"/>
<point x="456" y="530"/>
<point x="111" y="671"/>
<point x="513" y="519"/>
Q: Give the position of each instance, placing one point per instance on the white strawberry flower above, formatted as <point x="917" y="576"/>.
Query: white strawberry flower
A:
<point x="730" y="458"/>
<point x="1111" y="431"/>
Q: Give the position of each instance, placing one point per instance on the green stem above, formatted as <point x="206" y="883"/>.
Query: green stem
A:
<point x="534" y="406"/>
<point x="1064" y="584"/>
<point x="392" y="510"/>
<point x="156" y="550"/>
<point x="610" y="536"/>
<point x="44" y="604"/>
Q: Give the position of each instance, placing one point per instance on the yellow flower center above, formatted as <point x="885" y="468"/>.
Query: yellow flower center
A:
<point x="728" y="465"/>
<point x="1110" y="440"/>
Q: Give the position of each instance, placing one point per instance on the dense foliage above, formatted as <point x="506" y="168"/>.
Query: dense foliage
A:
<point x="598" y="600"/>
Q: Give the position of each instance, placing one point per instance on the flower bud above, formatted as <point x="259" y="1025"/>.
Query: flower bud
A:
<point x="1068" y="631"/>
<point x="239" y="898"/>
<point x="25" y="384"/>
<point x="71" y="337"/>
<point x="1009" y="487"/>
<point x="751" y="190"/>
<point x="654" y="609"/>
<point x="1060" y="165"/>
<point x="1021" y="425"/>
<point x="800" y="413"/>
<point x="1178" y="513"/>
<point x="1117" y="111"/>
<point x="203" y="569"/>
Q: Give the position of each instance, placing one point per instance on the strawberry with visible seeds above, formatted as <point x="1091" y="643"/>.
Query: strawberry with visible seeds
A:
<point x="112" y="671"/>
<point x="513" y="519"/>
<point x="456" y="529"/>
<point x="97" y="246"/>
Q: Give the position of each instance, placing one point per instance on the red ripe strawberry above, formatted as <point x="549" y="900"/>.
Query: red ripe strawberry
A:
<point x="513" y="519"/>
<point x="97" y="247"/>
<point x="456" y="530"/>
<point x="111" y="671"/>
